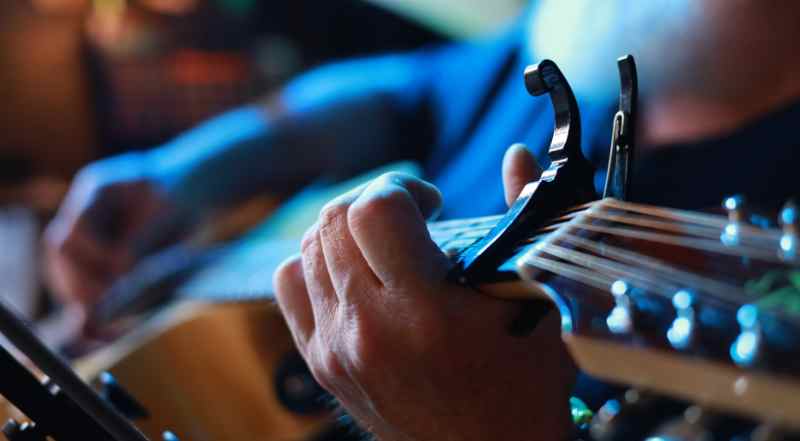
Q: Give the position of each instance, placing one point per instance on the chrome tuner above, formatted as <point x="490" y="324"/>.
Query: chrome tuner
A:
<point x="681" y="333"/>
<point x="788" y="219"/>
<point x="747" y="346"/>
<point x="620" y="320"/>
<point x="737" y="215"/>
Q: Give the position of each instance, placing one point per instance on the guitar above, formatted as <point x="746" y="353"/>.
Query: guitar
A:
<point x="696" y="306"/>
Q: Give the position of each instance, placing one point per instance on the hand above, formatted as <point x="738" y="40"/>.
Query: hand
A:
<point x="93" y="238"/>
<point x="408" y="354"/>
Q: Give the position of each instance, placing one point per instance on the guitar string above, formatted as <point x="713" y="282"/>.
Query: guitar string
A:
<point x="693" y="230"/>
<point x="664" y="279"/>
<point x="678" y="277"/>
<point x="597" y="277"/>
<point x="654" y="267"/>
<point x="650" y="263"/>
<point x="710" y="220"/>
<point x="745" y="248"/>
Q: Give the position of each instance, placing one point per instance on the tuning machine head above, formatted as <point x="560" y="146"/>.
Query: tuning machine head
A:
<point x="746" y="349"/>
<point x="682" y="330"/>
<point x="621" y="319"/>
<point x="788" y="220"/>
<point x="737" y="215"/>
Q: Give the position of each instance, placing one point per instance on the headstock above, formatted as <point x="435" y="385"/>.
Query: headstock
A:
<point x="699" y="306"/>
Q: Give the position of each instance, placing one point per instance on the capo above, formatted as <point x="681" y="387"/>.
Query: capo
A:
<point x="620" y="159"/>
<point x="566" y="183"/>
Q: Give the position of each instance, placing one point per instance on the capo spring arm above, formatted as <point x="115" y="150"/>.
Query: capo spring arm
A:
<point x="621" y="155"/>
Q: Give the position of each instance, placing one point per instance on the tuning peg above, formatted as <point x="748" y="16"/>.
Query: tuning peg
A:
<point x="681" y="332"/>
<point x="788" y="243"/>
<point x="14" y="431"/>
<point x="620" y="320"/>
<point x="747" y="346"/>
<point x="735" y="207"/>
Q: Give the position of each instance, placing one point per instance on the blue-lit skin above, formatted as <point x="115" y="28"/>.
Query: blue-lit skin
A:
<point x="334" y="120"/>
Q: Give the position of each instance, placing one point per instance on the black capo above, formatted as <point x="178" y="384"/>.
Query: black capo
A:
<point x="567" y="182"/>
<point x="620" y="159"/>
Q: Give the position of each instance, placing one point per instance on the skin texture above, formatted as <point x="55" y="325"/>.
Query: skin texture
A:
<point x="408" y="354"/>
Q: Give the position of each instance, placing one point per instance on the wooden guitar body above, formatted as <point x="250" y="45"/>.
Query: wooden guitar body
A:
<point x="218" y="363"/>
<point x="209" y="372"/>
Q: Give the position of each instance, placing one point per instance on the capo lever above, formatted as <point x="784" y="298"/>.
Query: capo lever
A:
<point x="620" y="159"/>
<point x="565" y="183"/>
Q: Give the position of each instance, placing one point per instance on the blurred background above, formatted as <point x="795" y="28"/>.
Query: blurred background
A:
<point x="85" y="79"/>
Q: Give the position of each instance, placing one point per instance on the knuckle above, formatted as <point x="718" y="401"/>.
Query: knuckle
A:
<point x="331" y="213"/>
<point x="378" y="205"/>
<point x="392" y="178"/>
<point x="310" y="239"/>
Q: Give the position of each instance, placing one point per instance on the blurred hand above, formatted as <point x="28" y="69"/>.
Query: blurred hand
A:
<point x="94" y="237"/>
<point x="408" y="354"/>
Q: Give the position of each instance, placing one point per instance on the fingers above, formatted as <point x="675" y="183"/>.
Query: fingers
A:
<point x="346" y="265"/>
<point x="317" y="279"/>
<point x="387" y="222"/>
<point x="519" y="168"/>
<point x="79" y="267"/>
<point x="293" y="300"/>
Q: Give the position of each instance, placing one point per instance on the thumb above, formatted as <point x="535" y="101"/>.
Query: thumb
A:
<point x="519" y="168"/>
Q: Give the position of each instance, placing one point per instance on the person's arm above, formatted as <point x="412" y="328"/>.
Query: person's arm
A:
<point x="338" y="120"/>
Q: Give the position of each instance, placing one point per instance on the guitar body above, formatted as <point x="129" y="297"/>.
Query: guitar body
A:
<point x="208" y="372"/>
<point x="221" y="365"/>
